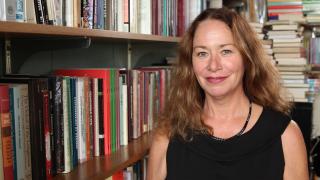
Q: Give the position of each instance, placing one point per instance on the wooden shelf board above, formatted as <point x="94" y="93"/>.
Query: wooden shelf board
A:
<point x="104" y="166"/>
<point x="24" y="29"/>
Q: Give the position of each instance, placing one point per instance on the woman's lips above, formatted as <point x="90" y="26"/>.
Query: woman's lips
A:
<point x="216" y="80"/>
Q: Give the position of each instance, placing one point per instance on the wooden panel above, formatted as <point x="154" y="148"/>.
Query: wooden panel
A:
<point x="15" y="29"/>
<point x="105" y="166"/>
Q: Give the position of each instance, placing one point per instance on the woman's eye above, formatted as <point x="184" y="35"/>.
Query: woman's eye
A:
<point x="202" y="54"/>
<point x="226" y="52"/>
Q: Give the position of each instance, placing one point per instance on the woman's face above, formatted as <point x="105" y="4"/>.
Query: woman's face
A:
<point x="217" y="63"/>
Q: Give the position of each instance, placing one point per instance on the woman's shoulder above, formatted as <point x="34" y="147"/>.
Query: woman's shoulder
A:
<point x="276" y="118"/>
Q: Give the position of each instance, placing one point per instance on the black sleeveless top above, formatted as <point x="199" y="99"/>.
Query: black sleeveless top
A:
<point x="255" y="155"/>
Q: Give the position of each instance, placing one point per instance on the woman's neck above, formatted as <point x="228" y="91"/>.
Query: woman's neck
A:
<point x="225" y="108"/>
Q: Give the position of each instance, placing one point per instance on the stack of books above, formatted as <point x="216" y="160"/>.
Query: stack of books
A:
<point x="311" y="9"/>
<point x="289" y="54"/>
<point x="278" y="7"/>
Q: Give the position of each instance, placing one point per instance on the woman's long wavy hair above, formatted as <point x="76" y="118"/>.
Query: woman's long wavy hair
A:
<point x="261" y="80"/>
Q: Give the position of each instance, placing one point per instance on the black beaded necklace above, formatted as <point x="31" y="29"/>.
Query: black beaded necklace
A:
<point x="241" y="131"/>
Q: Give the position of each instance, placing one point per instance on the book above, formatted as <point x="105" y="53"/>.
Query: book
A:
<point x="286" y="49"/>
<point x="291" y="40"/>
<point x="284" y="27"/>
<point x="7" y="149"/>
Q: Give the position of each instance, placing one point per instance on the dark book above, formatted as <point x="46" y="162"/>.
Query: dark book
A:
<point x="74" y="126"/>
<point x="57" y="123"/>
<point x="39" y="11"/>
<point x="101" y="122"/>
<point x="45" y="12"/>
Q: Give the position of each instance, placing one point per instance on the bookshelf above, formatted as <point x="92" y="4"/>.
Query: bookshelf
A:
<point x="104" y="166"/>
<point x="33" y="44"/>
<point x="15" y="29"/>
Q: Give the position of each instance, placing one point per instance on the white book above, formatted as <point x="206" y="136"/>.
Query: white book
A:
<point x="284" y="27"/>
<point x="135" y="112"/>
<point x="298" y="39"/>
<point x="295" y="99"/>
<point x="119" y="15"/>
<point x="30" y="16"/>
<point x="287" y="55"/>
<point x="26" y="131"/>
<point x="296" y="85"/>
<point x="20" y="10"/>
<point x="281" y="32"/>
<point x="51" y="11"/>
<point x="291" y="61"/>
<point x="123" y="110"/>
<point x="58" y="12"/>
<point x="291" y="17"/>
<point x="293" y="81"/>
<point x="133" y="16"/>
<point x="286" y="49"/>
<point x="292" y="68"/>
<point x="66" y="132"/>
<point x="69" y="13"/>
<point x="282" y="36"/>
<point x="215" y="3"/>
<point x="145" y="16"/>
<point x="287" y="44"/>
<point x="290" y="72"/>
<point x="81" y="127"/>
<point x="151" y="101"/>
<point x="8" y="10"/>
<point x="291" y="76"/>
<point x="18" y="144"/>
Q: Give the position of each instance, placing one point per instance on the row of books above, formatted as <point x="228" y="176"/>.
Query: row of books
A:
<point x="160" y="17"/>
<point x="66" y="119"/>
<point x="137" y="171"/>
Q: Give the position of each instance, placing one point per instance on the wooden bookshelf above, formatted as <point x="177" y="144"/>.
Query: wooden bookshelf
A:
<point x="104" y="166"/>
<point x="15" y="29"/>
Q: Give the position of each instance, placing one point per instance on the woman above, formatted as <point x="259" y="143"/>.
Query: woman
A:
<point x="226" y="116"/>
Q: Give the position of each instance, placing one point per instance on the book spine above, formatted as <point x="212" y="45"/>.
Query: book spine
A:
<point x="6" y="138"/>
<point x="95" y="116"/>
<point x="20" y="10"/>
<point x="39" y="11"/>
<point x="101" y="120"/>
<point x="74" y="126"/>
<point x="13" y="102"/>
<point x="10" y="10"/>
<point x="66" y="114"/>
<point x="46" y="119"/>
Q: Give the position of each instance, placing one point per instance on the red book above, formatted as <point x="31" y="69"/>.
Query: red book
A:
<point x="104" y="74"/>
<point x="45" y="98"/>
<point x="7" y="149"/>
<point x="181" y="12"/>
<point x="118" y="176"/>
